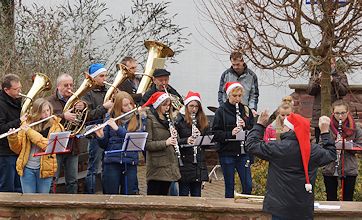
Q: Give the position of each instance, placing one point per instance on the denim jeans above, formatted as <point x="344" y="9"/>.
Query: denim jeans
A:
<point x="94" y="164"/>
<point x="173" y="191"/>
<point x="119" y="179"/>
<point x="32" y="183"/>
<point x="228" y="165"/>
<point x="192" y="188"/>
<point x="70" y="163"/>
<point x="9" y="177"/>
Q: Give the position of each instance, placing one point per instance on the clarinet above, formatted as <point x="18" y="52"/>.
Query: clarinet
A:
<point x="194" y="134"/>
<point x="339" y="137"/>
<point x="173" y="132"/>
<point x="238" y="120"/>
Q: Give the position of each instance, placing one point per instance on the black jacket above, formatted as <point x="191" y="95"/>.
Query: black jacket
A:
<point x="190" y="172"/>
<point x="225" y="122"/>
<point x="286" y="195"/>
<point x="153" y="89"/>
<point x="9" y="118"/>
<point x="94" y="99"/>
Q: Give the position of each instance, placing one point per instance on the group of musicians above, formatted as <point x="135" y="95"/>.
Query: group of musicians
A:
<point x="171" y="153"/>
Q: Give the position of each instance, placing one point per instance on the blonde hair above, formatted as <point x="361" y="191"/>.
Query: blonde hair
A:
<point x="237" y="89"/>
<point x="116" y="111"/>
<point x="36" y="111"/>
<point x="286" y="104"/>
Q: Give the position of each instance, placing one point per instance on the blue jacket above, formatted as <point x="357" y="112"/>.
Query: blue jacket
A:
<point x="113" y="140"/>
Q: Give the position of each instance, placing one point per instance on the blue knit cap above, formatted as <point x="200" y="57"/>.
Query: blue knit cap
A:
<point x="95" y="69"/>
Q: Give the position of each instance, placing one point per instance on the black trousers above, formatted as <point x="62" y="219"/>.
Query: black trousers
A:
<point x="317" y="134"/>
<point x="331" y="183"/>
<point x="156" y="187"/>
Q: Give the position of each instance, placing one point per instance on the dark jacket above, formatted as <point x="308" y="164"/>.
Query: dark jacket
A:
<point x="339" y="88"/>
<point x="190" y="171"/>
<point x="9" y="118"/>
<point x="248" y="80"/>
<point x="113" y="140"/>
<point x="286" y="195"/>
<point x="161" y="160"/>
<point x="58" y="104"/>
<point x="153" y="89"/>
<point x="94" y="99"/>
<point x="131" y="88"/>
<point x="225" y="122"/>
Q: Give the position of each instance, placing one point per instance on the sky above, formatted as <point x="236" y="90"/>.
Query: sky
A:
<point x="200" y="66"/>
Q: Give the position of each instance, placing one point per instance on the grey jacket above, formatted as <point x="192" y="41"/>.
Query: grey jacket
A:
<point x="161" y="160"/>
<point x="248" y="80"/>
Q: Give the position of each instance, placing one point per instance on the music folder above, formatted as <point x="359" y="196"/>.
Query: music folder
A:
<point x="240" y="136"/>
<point x="57" y="144"/>
<point x="204" y="140"/>
<point x="134" y="141"/>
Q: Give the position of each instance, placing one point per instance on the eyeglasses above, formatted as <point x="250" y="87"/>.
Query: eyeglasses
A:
<point x="193" y="106"/>
<point x="340" y="113"/>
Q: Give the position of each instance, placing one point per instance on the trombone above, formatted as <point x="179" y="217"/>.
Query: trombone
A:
<point x="30" y="125"/>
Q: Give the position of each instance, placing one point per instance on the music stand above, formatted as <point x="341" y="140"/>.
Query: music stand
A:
<point x="133" y="142"/>
<point x="57" y="144"/>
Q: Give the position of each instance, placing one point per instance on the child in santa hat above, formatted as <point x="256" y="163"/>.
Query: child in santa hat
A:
<point x="293" y="164"/>
<point x="162" y="166"/>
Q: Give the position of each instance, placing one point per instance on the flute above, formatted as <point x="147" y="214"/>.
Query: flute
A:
<point x="30" y="125"/>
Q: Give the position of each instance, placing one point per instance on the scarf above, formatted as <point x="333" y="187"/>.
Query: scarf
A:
<point x="348" y="126"/>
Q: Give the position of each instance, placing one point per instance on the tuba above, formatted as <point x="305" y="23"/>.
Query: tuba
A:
<point x="122" y="75"/>
<point x="155" y="50"/>
<point x="81" y="115"/>
<point x="40" y="83"/>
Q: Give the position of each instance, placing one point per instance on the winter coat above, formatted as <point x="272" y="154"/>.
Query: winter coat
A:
<point x="248" y="80"/>
<point x="95" y="99"/>
<point x="21" y="144"/>
<point x="350" y="159"/>
<point x="9" y="118"/>
<point x="161" y="161"/>
<point x="225" y="122"/>
<point x="130" y="87"/>
<point x="286" y="195"/>
<point x="339" y="88"/>
<point x="190" y="171"/>
<point x="113" y="140"/>
<point x="153" y="89"/>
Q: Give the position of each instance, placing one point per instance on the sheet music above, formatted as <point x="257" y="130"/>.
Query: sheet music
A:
<point x="61" y="143"/>
<point x="137" y="141"/>
<point x="204" y="140"/>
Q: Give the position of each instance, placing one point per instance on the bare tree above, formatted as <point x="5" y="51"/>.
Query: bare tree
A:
<point x="68" y="37"/>
<point x="289" y="34"/>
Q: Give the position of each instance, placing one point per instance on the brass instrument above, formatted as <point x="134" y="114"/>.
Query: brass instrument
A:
<point x="121" y="76"/>
<point x="175" y="100"/>
<point x="40" y="83"/>
<point x="249" y="197"/>
<point x="174" y="134"/>
<point x="156" y="50"/>
<point x="81" y="115"/>
<point x="195" y="133"/>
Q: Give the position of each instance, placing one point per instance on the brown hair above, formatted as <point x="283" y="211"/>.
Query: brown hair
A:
<point x="7" y="79"/>
<point x="339" y="103"/>
<point x="158" y="109"/>
<point x="127" y="59"/>
<point x="200" y="117"/>
<point x="236" y="55"/>
<point x="116" y="110"/>
<point x="35" y="114"/>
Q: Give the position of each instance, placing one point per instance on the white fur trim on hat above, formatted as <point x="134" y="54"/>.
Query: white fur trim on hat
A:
<point x="159" y="100"/>
<point x="288" y="124"/>
<point x="192" y="98"/>
<point x="233" y="86"/>
<point x="96" y="73"/>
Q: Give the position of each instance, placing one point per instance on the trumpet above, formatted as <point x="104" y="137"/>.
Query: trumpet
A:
<point x="249" y="197"/>
<point x="30" y="125"/>
<point x="105" y="123"/>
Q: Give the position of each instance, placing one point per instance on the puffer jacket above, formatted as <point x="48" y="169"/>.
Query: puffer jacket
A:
<point x="350" y="159"/>
<point x="161" y="161"/>
<point x="225" y="122"/>
<point x="286" y="195"/>
<point x="113" y="140"/>
<point x="21" y="144"/>
<point x="190" y="171"/>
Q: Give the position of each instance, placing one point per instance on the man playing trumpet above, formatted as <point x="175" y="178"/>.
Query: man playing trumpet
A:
<point x="10" y="104"/>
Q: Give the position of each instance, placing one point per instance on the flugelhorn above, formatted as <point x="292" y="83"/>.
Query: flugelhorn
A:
<point x="175" y="100"/>
<point x="247" y="196"/>
<point x="30" y="125"/>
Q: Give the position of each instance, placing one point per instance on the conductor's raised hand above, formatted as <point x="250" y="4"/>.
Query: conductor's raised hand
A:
<point x="324" y="123"/>
<point x="263" y="118"/>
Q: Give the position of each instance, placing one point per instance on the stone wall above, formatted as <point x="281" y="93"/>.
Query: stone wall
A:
<point x="49" y="207"/>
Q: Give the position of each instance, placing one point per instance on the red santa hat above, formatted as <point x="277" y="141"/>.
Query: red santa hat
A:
<point x="229" y="86"/>
<point x="192" y="96"/>
<point x="301" y="127"/>
<point x="156" y="99"/>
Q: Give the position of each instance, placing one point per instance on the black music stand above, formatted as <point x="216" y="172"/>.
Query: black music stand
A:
<point x="57" y="144"/>
<point x="133" y="142"/>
